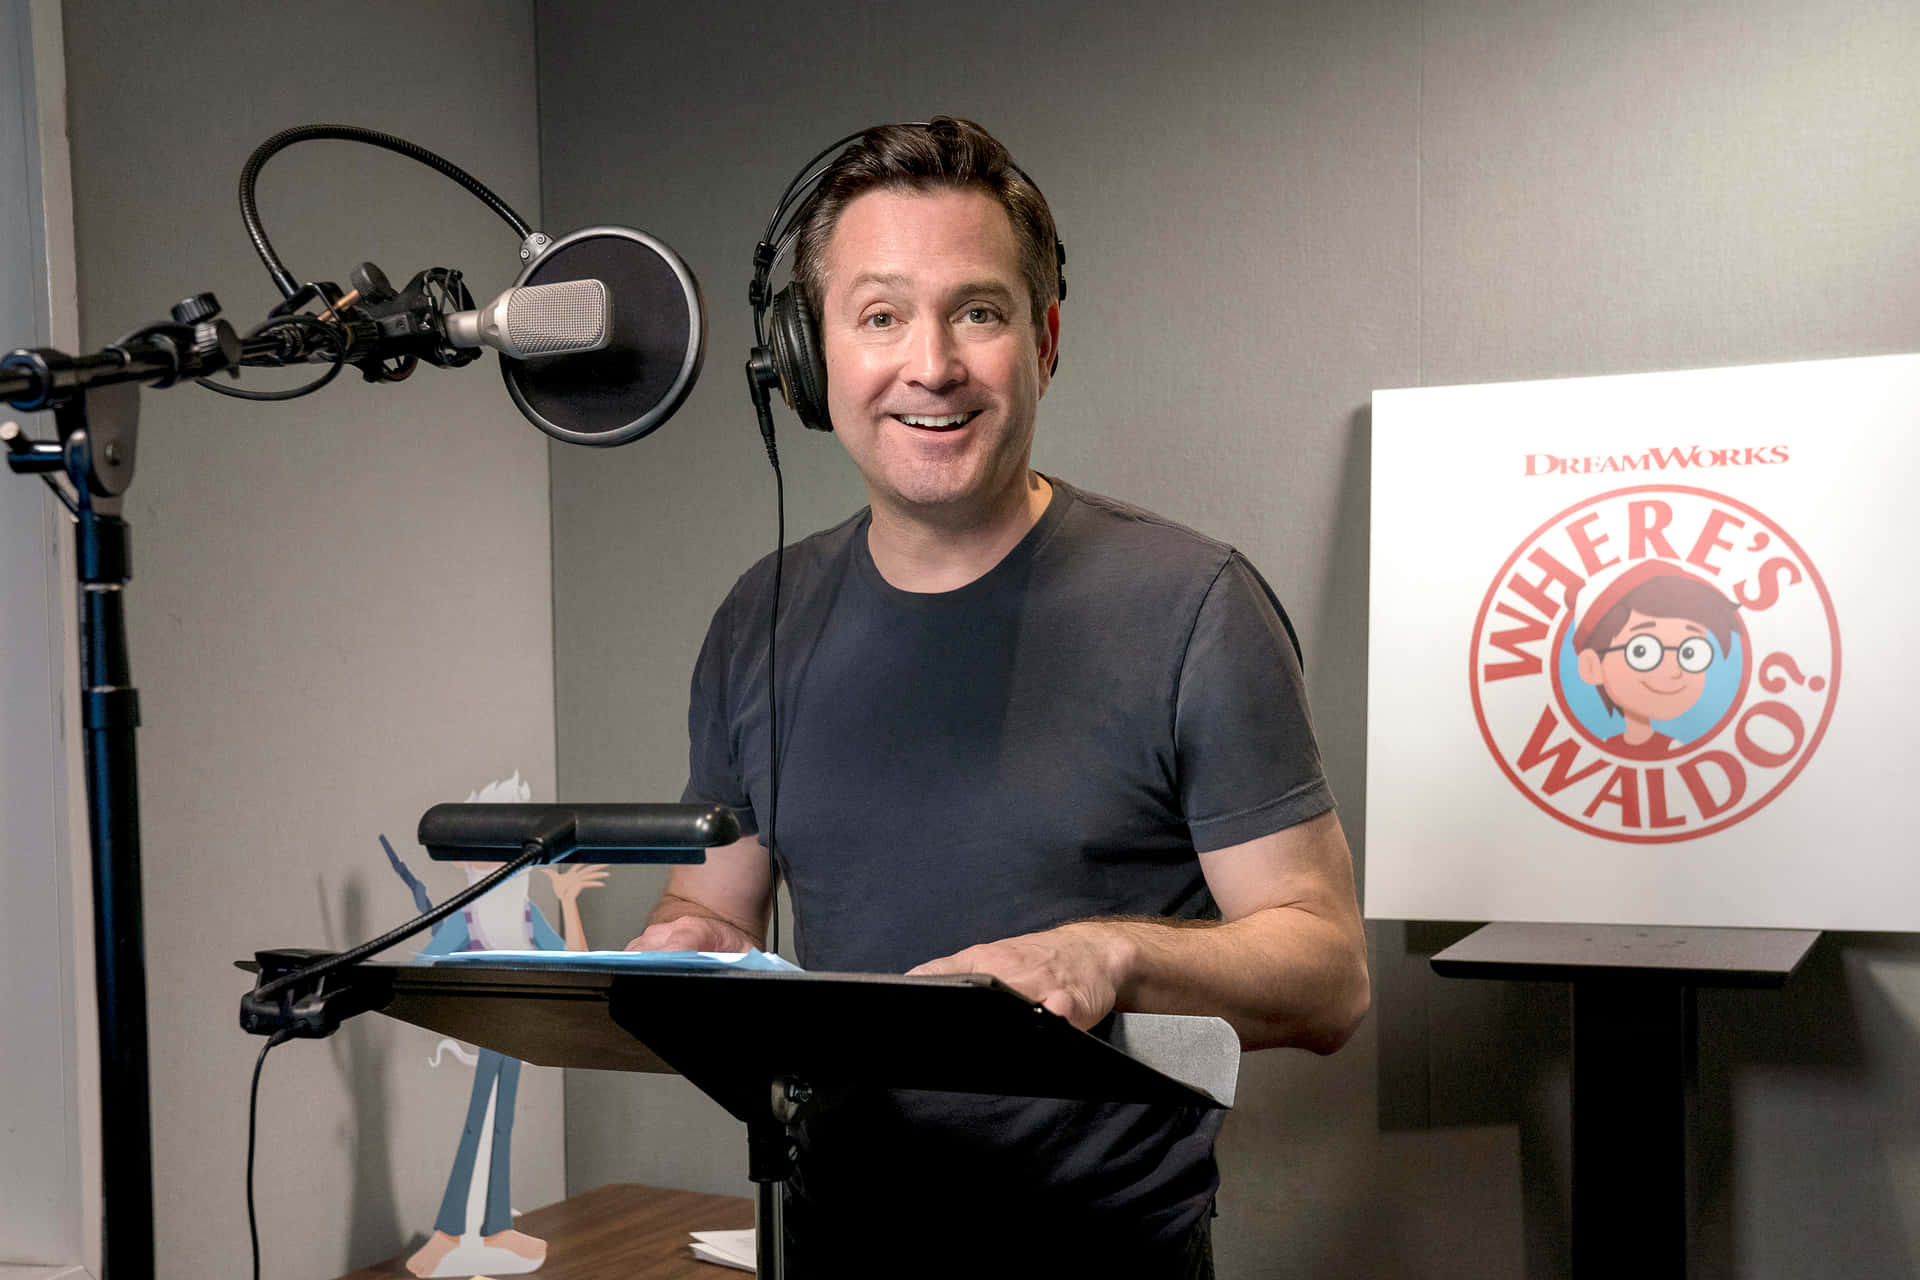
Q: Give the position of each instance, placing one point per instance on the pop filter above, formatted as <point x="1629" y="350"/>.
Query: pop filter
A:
<point x="637" y="381"/>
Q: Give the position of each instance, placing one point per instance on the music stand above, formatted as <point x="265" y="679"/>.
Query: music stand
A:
<point x="771" y="1046"/>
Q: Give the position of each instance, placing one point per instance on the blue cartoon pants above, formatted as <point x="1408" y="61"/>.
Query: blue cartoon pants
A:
<point x="492" y="1068"/>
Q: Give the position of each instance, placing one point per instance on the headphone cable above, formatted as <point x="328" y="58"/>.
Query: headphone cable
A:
<point x="773" y="717"/>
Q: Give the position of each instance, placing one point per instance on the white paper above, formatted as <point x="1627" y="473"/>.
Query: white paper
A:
<point x="727" y="1248"/>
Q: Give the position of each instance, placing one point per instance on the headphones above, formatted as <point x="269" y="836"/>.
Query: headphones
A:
<point x="787" y="352"/>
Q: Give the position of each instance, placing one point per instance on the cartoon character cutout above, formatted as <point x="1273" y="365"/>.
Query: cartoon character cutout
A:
<point x="1647" y="641"/>
<point x="503" y="919"/>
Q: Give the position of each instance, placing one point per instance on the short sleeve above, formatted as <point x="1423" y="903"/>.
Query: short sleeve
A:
<point x="1248" y="763"/>
<point x="714" y="775"/>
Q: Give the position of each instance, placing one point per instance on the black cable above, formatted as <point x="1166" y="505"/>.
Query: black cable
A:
<point x="250" y="211"/>
<point x="529" y="854"/>
<point x="332" y="335"/>
<point x="773" y="711"/>
<point x="253" y="1116"/>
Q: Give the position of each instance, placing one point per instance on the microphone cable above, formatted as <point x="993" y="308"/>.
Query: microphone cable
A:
<point x="328" y="333"/>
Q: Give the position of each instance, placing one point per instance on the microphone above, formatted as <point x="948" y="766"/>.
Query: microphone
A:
<point x="643" y="374"/>
<point x="538" y="320"/>
<point x="600" y="339"/>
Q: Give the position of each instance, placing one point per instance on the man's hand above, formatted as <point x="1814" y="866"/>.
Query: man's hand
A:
<point x="1073" y="970"/>
<point x="693" y="933"/>
<point x="1286" y="964"/>
<point x="716" y="905"/>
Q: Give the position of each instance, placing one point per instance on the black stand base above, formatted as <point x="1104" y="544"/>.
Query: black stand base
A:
<point x="1633" y="1082"/>
<point x="1633" y="991"/>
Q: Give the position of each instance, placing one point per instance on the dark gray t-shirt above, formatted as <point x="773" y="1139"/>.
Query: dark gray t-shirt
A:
<point x="1052" y="741"/>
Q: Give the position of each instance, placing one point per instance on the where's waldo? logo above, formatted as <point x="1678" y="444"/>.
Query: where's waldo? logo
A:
<point x="1655" y="663"/>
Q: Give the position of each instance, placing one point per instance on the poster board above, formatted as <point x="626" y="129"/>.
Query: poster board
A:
<point x="1641" y="649"/>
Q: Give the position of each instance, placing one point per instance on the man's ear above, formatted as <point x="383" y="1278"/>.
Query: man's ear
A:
<point x="1049" y="345"/>
<point x="1590" y="667"/>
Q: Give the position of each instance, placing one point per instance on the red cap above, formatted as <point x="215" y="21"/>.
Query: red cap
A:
<point x="1614" y="586"/>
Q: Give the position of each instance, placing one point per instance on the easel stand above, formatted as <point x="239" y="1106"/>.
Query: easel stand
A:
<point x="769" y="1047"/>
<point x="1634" y="1047"/>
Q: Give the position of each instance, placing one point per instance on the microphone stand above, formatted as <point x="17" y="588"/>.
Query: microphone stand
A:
<point x="95" y="402"/>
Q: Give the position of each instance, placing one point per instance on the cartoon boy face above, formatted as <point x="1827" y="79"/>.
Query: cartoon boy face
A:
<point x="1654" y="668"/>
<point x="1646" y="641"/>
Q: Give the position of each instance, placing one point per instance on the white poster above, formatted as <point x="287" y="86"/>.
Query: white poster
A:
<point x="1641" y="649"/>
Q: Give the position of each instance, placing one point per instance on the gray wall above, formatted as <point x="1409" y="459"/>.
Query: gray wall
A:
<point x="341" y="607"/>
<point x="40" y="1188"/>
<point x="1271" y="211"/>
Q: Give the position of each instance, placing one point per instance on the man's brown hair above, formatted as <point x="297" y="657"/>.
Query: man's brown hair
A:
<point x="943" y="154"/>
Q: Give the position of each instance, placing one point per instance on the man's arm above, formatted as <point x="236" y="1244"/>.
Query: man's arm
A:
<point x="1285" y="965"/>
<point x="717" y="905"/>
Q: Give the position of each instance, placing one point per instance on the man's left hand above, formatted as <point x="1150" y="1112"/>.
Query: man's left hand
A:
<point x="1073" y="970"/>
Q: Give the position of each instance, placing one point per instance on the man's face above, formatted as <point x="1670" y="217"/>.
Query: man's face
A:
<point x="1665" y="691"/>
<point x="934" y="366"/>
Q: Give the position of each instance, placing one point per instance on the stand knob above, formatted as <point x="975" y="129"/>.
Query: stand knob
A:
<point x="371" y="283"/>
<point x="201" y="306"/>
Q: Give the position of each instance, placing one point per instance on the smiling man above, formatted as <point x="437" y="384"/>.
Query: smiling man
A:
<point x="1024" y="730"/>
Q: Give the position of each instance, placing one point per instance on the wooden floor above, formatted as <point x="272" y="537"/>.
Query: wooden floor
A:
<point x="619" y="1232"/>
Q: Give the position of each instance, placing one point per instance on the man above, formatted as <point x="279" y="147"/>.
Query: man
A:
<point x="1024" y="731"/>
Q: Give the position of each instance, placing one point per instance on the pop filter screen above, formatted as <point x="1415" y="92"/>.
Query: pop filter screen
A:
<point x="637" y="381"/>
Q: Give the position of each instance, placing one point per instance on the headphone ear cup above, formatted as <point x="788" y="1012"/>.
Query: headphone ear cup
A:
<point x="795" y="340"/>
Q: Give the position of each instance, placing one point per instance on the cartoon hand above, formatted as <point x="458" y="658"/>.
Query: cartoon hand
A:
<point x="570" y="881"/>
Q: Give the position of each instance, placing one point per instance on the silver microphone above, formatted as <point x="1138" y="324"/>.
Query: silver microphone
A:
<point x="538" y="320"/>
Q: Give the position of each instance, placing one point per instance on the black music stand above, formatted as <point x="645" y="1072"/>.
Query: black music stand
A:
<point x="770" y="1046"/>
<point x="1633" y="1063"/>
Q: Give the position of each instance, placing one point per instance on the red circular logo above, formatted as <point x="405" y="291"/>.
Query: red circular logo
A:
<point x="1655" y="663"/>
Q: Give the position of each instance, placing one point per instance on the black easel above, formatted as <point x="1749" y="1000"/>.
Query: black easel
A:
<point x="1633" y="992"/>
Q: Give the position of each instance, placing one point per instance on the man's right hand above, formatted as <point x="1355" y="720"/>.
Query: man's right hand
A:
<point x="693" y="933"/>
<point x="711" y="905"/>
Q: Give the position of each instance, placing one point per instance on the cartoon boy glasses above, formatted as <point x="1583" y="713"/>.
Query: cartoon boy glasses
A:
<point x="1644" y="653"/>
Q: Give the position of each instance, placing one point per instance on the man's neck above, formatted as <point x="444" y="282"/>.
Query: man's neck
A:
<point x="916" y="552"/>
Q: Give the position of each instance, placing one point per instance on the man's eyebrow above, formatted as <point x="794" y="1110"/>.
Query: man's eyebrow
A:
<point x="991" y="289"/>
<point x="885" y="279"/>
<point x="983" y="289"/>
